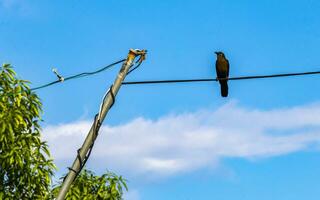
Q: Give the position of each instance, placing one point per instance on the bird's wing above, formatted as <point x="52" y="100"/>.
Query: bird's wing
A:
<point x="217" y="69"/>
<point x="227" y="68"/>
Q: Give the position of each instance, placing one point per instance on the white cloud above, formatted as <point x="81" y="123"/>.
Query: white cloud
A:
<point x="180" y="143"/>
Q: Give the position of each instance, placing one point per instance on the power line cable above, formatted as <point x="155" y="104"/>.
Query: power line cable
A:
<point x="134" y="68"/>
<point x="139" y="61"/>
<point x="217" y="79"/>
<point x="61" y="79"/>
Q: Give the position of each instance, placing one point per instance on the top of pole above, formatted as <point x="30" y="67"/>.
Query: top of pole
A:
<point x="138" y="52"/>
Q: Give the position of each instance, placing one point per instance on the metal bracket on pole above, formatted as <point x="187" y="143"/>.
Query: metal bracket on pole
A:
<point x="85" y="150"/>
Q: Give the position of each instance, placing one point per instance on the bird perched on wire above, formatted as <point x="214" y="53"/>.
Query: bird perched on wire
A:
<point x="222" y="69"/>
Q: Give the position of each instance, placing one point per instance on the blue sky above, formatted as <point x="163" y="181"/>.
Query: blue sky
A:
<point x="179" y="141"/>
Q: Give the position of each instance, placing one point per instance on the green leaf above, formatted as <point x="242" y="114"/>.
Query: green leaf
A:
<point x="27" y="169"/>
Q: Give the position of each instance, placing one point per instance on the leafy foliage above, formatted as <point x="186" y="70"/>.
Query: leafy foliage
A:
<point x="88" y="186"/>
<point x="25" y="164"/>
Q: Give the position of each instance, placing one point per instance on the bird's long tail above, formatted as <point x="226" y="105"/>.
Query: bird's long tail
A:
<point x="224" y="88"/>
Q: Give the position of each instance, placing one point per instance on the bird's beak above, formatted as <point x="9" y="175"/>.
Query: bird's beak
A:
<point x="216" y="52"/>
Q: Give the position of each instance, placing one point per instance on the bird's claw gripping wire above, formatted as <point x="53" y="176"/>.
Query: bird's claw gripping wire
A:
<point x="55" y="71"/>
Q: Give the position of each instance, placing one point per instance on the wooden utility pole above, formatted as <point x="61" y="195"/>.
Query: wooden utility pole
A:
<point x="92" y="135"/>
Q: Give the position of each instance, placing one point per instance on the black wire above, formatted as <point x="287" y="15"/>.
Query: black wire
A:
<point x="134" y="68"/>
<point x="112" y="95"/>
<point x="95" y="72"/>
<point x="46" y="85"/>
<point x="79" y="75"/>
<point x="166" y="81"/>
<point x="216" y="79"/>
<point x="96" y="127"/>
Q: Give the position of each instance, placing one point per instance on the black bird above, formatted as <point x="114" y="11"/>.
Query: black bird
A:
<point x="222" y="68"/>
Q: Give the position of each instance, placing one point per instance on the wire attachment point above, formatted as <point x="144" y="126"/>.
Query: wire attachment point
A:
<point x="141" y="57"/>
<point x="55" y="71"/>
